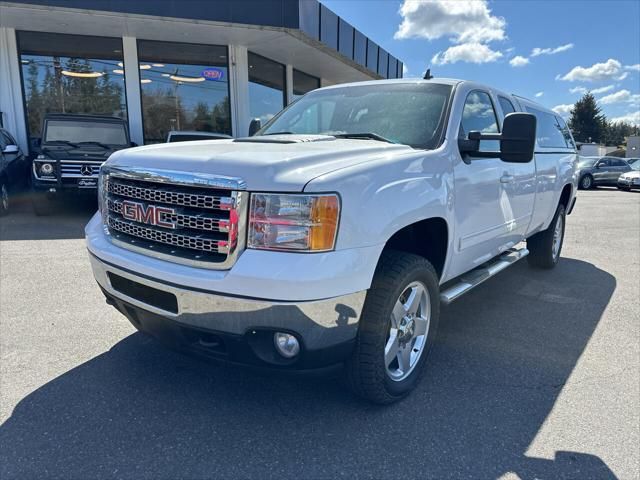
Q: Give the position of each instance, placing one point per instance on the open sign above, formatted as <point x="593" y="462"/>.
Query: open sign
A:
<point x="213" y="74"/>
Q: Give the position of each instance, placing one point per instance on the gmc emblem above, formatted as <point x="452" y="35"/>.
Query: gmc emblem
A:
<point x="151" y="214"/>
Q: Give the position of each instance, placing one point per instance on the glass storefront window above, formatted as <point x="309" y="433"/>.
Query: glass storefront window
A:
<point x="70" y="74"/>
<point x="184" y="87"/>
<point x="303" y="83"/>
<point x="266" y="87"/>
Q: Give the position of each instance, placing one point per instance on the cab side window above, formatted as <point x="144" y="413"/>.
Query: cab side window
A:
<point x="480" y="115"/>
<point x="604" y="163"/>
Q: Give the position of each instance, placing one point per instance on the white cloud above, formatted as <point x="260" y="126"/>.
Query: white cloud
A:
<point x="539" y="94"/>
<point x="405" y="70"/>
<point x="551" y="51"/>
<point x="602" y="89"/>
<point x="467" y="52"/>
<point x="623" y="76"/>
<point x="580" y="90"/>
<point x="635" y="67"/>
<point x="518" y="61"/>
<point x="563" y="110"/>
<point x="583" y="90"/>
<point x="464" y="21"/>
<point x="608" y="70"/>
<point x="621" y="96"/>
<point x="632" y="117"/>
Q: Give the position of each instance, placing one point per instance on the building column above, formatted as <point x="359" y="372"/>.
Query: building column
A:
<point x="11" y="101"/>
<point x="289" y="83"/>
<point x="239" y="90"/>
<point x="132" y="88"/>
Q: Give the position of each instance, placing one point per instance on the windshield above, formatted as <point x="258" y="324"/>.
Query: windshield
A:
<point x="587" y="161"/>
<point x="411" y="114"/>
<point x="78" y="131"/>
<point x="635" y="165"/>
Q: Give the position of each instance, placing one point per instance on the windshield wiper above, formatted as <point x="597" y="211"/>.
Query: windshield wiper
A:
<point x="64" y="142"/>
<point x="94" y="143"/>
<point x="278" y="133"/>
<point x="364" y="135"/>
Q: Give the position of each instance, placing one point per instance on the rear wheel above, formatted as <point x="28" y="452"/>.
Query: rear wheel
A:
<point x="545" y="247"/>
<point x="586" y="182"/>
<point x="397" y="329"/>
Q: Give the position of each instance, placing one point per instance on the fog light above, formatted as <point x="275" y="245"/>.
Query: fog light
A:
<point x="46" y="169"/>
<point x="286" y="344"/>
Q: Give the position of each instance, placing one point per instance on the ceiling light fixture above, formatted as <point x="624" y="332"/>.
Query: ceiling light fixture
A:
<point x="179" y="78"/>
<point x="82" y="74"/>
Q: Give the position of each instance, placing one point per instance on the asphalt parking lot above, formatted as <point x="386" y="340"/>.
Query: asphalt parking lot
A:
<point x="535" y="375"/>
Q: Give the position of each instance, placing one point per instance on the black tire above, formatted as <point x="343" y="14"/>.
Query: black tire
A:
<point x="365" y="371"/>
<point x="42" y="206"/>
<point x="4" y="197"/>
<point x="541" y="245"/>
<point x="586" y="182"/>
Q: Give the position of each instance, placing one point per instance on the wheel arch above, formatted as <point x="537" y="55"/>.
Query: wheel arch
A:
<point x="428" y="238"/>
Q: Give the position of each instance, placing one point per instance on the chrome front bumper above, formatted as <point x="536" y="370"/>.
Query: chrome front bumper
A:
<point x="320" y="323"/>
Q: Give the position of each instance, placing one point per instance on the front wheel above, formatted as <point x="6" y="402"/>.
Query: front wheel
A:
<point x="42" y="206"/>
<point x="586" y="182"/>
<point x="4" y="198"/>
<point x="397" y="329"/>
<point x="545" y="247"/>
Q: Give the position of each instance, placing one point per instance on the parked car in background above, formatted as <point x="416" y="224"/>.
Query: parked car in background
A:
<point x="72" y="149"/>
<point x="597" y="171"/>
<point x="189" y="135"/>
<point x="14" y="170"/>
<point x="631" y="179"/>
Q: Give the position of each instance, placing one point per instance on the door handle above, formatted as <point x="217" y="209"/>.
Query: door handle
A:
<point x="507" y="178"/>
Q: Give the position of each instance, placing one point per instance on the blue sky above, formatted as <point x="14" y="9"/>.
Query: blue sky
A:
<point x="493" y="42"/>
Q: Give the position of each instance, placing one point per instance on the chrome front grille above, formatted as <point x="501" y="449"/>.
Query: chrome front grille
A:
<point x="79" y="169"/>
<point x="184" y="218"/>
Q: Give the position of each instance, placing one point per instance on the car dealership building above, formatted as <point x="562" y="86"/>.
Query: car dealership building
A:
<point x="173" y="64"/>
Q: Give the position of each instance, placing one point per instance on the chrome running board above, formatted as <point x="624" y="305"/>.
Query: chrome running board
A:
<point x="475" y="277"/>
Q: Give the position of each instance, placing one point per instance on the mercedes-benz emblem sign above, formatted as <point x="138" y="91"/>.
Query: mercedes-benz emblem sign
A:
<point x="86" y="170"/>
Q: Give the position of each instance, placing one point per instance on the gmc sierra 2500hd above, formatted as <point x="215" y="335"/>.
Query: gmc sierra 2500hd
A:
<point x="333" y="235"/>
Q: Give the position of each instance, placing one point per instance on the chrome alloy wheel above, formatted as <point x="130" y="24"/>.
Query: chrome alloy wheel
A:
<point x="4" y="197"/>
<point x="586" y="182"/>
<point x="407" y="338"/>
<point x="557" y="237"/>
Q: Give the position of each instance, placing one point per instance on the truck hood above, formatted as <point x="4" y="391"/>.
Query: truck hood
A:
<point x="267" y="163"/>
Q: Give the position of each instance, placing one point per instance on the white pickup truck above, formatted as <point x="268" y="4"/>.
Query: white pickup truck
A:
<point x="332" y="236"/>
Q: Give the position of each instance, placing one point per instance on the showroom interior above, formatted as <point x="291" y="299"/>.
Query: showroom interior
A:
<point x="163" y="66"/>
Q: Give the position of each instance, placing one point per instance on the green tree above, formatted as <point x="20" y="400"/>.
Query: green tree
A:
<point x="587" y="122"/>
<point x="617" y="132"/>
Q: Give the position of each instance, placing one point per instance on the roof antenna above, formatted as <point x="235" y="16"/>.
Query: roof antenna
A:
<point x="427" y="74"/>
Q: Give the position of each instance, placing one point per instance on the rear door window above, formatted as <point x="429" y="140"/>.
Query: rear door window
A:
<point x="548" y="132"/>
<point x="506" y="105"/>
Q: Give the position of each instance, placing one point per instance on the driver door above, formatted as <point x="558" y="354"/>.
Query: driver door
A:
<point x="482" y="208"/>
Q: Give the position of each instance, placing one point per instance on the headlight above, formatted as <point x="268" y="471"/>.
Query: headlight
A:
<point x="297" y="222"/>
<point x="44" y="168"/>
<point x="103" y="178"/>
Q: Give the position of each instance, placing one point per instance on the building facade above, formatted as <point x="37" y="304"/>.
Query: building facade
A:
<point x="173" y="64"/>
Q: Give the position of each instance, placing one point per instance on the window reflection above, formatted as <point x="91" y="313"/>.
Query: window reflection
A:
<point x="303" y="83"/>
<point x="479" y="115"/>
<point x="266" y="87"/>
<point x="184" y="87"/>
<point x="70" y="74"/>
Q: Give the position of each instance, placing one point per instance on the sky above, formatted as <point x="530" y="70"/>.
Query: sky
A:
<point x="551" y="51"/>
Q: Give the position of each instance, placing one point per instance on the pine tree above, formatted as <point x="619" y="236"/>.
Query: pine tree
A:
<point x="587" y="122"/>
